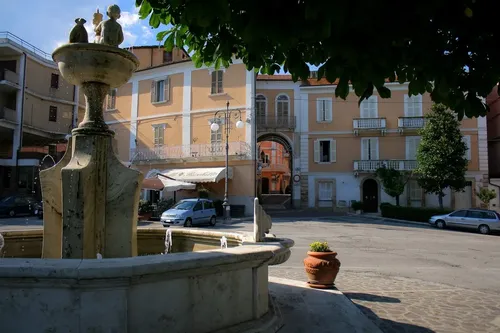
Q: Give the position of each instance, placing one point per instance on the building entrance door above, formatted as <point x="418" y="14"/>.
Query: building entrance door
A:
<point x="370" y="196"/>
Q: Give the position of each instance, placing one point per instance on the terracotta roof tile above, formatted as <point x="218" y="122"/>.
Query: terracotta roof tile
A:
<point x="277" y="77"/>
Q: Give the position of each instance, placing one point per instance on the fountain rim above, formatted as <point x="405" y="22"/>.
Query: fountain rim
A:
<point x="94" y="47"/>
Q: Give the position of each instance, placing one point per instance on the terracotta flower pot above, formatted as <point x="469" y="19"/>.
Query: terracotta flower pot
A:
<point x="322" y="269"/>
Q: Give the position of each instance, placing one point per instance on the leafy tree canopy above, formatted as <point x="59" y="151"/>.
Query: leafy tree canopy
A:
<point x="441" y="155"/>
<point x="394" y="181"/>
<point x="448" y="48"/>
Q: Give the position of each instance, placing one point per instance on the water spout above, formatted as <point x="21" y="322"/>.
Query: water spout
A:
<point x="168" y="241"/>
<point x="2" y="243"/>
<point x="223" y="243"/>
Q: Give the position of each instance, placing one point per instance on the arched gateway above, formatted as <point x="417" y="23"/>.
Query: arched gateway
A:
<point x="276" y="172"/>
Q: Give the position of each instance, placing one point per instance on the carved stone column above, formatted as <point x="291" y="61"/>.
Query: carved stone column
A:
<point x="98" y="194"/>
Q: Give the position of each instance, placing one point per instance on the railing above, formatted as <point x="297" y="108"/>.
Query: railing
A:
<point x="8" y="37"/>
<point x="10" y="76"/>
<point x="264" y="122"/>
<point x="282" y="167"/>
<point x="373" y="165"/>
<point x="194" y="151"/>
<point x="411" y="122"/>
<point x="368" y="123"/>
<point x="8" y="114"/>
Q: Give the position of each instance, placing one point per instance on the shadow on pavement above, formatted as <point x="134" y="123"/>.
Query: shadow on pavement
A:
<point x="372" y="298"/>
<point x="305" y="310"/>
<point x="390" y="326"/>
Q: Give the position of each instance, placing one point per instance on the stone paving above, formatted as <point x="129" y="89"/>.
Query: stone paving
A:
<point x="404" y="305"/>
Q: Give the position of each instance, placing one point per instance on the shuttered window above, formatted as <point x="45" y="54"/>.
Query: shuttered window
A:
<point x="160" y="91"/>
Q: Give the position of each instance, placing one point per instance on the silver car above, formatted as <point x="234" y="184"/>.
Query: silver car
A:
<point x="482" y="220"/>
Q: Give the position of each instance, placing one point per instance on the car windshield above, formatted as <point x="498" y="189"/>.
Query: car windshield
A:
<point x="184" y="205"/>
<point x="6" y="200"/>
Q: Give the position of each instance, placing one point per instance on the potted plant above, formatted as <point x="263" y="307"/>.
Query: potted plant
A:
<point x="321" y="266"/>
<point x="357" y="206"/>
<point x="145" y="210"/>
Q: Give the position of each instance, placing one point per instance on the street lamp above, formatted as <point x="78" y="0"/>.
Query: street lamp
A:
<point x="226" y="116"/>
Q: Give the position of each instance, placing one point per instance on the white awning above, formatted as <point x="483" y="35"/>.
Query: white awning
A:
<point x="198" y="175"/>
<point x="172" y="185"/>
<point x="159" y="183"/>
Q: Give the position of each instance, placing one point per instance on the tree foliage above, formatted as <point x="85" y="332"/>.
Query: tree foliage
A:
<point x="441" y="155"/>
<point x="486" y="195"/>
<point x="394" y="181"/>
<point x="444" y="47"/>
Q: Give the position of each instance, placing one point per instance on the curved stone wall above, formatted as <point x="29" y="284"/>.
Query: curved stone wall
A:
<point x="196" y="292"/>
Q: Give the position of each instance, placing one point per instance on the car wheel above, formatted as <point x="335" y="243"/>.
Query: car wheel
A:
<point x="483" y="229"/>
<point x="440" y="224"/>
<point x="213" y="221"/>
<point x="188" y="223"/>
<point x="12" y="213"/>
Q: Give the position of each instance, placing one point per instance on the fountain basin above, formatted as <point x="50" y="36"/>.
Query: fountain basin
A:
<point x="150" y="241"/>
<point x="81" y="63"/>
<point x="198" y="288"/>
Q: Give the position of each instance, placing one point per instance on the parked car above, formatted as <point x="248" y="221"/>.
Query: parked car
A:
<point x="17" y="205"/>
<point x="482" y="220"/>
<point x="189" y="212"/>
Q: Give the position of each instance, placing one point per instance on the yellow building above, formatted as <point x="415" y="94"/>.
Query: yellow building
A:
<point x="37" y="110"/>
<point x="162" y="119"/>
<point x="336" y="145"/>
<point x="163" y="116"/>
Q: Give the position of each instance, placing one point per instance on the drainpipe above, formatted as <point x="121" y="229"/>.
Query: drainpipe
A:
<point x="21" y="123"/>
<point x="254" y="148"/>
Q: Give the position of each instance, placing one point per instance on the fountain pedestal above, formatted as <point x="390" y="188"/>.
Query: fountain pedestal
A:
<point x="98" y="194"/>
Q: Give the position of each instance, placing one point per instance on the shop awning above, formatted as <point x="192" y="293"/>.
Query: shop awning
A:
<point x="159" y="183"/>
<point x="198" y="175"/>
<point x="152" y="184"/>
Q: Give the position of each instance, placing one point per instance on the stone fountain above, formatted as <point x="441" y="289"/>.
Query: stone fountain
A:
<point x="96" y="272"/>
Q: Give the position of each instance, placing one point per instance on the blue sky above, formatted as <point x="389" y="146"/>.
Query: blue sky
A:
<point x="46" y="24"/>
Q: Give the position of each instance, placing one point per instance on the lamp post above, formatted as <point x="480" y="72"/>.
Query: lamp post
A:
<point x="226" y="116"/>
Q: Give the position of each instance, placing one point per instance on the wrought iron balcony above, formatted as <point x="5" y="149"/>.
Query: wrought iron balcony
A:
<point x="283" y="123"/>
<point x="276" y="167"/>
<point x="373" y="165"/>
<point x="410" y="123"/>
<point x="369" y="124"/>
<point x="162" y="153"/>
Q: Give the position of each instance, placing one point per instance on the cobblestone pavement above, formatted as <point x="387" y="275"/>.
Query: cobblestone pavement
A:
<point x="448" y="291"/>
<point x="404" y="305"/>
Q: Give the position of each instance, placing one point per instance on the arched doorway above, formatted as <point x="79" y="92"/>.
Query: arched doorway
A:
<point x="277" y="167"/>
<point x="370" y="195"/>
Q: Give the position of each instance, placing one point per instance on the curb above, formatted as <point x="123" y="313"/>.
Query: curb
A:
<point x="386" y="219"/>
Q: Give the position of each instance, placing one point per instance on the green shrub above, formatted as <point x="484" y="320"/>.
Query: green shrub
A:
<point x="410" y="213"/>
<point x="145" y="207"/>
<point x="357" y="205"/>
<point x="164" y="205"/>
<point x="385" y="204"/>
<point x="319" y="247"/>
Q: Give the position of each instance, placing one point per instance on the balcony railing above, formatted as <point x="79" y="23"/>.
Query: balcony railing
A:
<point x="373" y="165"/>
<point x="238" y="148"/>
<point x="265" y="123"/>
<point x="411" y="122"/>
<point x="9" y="76"/>
<point x="276" y="167"/>
<point x="369" y="124"/>
<point x="8" y="114"/>
<point x="7" y="37"/>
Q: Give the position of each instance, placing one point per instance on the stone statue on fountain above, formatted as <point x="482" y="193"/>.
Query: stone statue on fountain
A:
<point x="90" y="197"/>
<point x="110" y="31"/>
